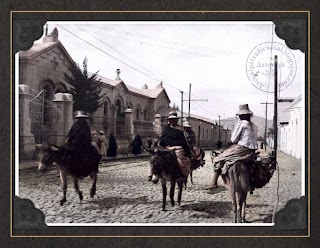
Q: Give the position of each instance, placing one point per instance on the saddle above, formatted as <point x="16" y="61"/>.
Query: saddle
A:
<point x="261" y="170"/>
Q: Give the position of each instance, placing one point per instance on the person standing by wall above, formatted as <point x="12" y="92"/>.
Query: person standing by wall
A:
<point x="149" y="142"/>
<point x="112" y="149"/>
<point x="136" y="145"/>
<point x="102" y="140"/>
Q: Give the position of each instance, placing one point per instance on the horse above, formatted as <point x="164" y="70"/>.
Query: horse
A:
<point x="243" y="177"/>
<point x="165" y="167"/>
<point x="85" y="165"/>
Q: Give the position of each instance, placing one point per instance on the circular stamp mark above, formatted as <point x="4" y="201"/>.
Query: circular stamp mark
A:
<point x="260" y="66"/>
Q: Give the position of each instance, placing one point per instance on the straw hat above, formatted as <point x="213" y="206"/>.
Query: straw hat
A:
<point x="101" y="132"/>
<point x="173" y="115"/>
<point x="244" y="110"/>
<point x="81" y="114"/>
<point x="186" y="124"/>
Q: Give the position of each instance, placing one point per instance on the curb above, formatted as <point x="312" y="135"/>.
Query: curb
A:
<point x="33" y="164"/>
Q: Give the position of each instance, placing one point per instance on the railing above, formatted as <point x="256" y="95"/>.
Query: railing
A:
<point x="143" y="128"/>
<point x="44" y="117"/>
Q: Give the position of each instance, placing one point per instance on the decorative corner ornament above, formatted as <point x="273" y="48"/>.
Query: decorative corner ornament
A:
<point x="26" y="215"/>
<point x="292" y="216"/>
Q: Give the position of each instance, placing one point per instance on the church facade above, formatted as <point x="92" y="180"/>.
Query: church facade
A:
<point x="41" y="72"/>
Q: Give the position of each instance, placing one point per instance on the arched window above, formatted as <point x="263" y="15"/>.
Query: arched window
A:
<point x="138" y="112"/>
<point x="119" y="109"/>
<point x="105" y="109"/>
<point x="145" y="114"/>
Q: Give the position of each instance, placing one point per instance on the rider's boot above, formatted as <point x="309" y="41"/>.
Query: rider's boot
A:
<point x="214" y="183"/>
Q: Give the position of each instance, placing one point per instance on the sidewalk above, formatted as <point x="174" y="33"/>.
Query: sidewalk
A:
<point x="33" y="164"/>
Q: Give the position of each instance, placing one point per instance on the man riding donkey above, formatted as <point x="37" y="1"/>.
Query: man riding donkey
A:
<point x="191" y="138"/>
<point x="78" y="142"/>
<point x="173" y="138"/>
<point x="244" y="139"/>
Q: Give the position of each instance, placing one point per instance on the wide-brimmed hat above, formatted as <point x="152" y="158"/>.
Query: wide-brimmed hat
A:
<point x="81" y="114"/>
<point x="244" y="110"/>
<point x="186" y="124"/>
<point x="173" y="115"/>
<point x="101" y="132"/>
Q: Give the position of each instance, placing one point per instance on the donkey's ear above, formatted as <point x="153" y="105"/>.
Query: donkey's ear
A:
<point x="54" y="148"/>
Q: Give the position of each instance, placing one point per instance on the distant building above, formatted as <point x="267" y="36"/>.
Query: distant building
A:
<point x="290" y="121"/>
<point x="207" y="130"/>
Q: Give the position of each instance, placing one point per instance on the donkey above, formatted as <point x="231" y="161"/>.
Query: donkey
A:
<point x="165" y="167"/>
<point x="195" y="164"/>
<point x="86" y="165"/>
<point x="243" y="177"/>
<point x="213" y="154"/>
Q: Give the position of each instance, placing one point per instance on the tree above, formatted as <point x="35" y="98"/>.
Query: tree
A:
<point x="175" y="107"/>
<point x="85" y="88"/>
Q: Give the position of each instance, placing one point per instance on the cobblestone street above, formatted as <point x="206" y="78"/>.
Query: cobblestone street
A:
<point x="125" y="196"/>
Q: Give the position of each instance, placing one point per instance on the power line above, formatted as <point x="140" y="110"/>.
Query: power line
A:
<point x="116" y="58"/>
<point x="204" y="109"/>
<point x="171" y="48"/>
<point x="108" y="53"/>
<point x="170" y="42"/>
<point x="117" y="51"/>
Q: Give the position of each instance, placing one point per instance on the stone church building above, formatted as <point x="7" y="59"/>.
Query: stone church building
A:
<point x="46" y="110"/>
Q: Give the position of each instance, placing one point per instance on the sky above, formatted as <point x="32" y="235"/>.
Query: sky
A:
<point x="211" y="56"/>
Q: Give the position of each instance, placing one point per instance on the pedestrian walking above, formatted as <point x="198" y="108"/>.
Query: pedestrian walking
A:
<point x="149" y="142"/>
<point x="95" y="140"/>
<point x="136" y="145"/>
<point x="112" y="149"/>
<point x="102" y="141"/>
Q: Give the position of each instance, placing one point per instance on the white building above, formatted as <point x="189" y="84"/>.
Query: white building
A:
<point x="290" y="139"/>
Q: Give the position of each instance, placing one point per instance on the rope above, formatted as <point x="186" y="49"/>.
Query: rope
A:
<point x="278" y="186"/>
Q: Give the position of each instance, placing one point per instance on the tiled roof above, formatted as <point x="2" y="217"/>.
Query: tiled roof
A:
<point x="39" y="48"/>
<point x="151" y="93"/>
<point x="196" y="117"/>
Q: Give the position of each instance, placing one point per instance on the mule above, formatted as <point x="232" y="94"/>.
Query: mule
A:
<point x="86" y="165"/>
<point x="241" y="178"/>
<point x="165" y="167"/>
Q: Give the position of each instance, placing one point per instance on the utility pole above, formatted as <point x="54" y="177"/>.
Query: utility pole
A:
<point x="275" y="118"/>
<point x="181" y="108"/>
<point x="192" y="100"/>
<point x="266" y="123"/>
<point x="219" y="128"/>
<point x="189" y="101"/>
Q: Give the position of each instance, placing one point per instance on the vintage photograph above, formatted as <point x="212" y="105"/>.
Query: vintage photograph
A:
<point x="156" y="123"/>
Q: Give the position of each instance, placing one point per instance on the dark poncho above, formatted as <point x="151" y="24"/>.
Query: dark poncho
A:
<point x="136" y="145"/>
<point x="174" y="137"/>
<point x="112" y="149"/>
<point x="79" y="136"/>
<point x="82" y="157"/>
